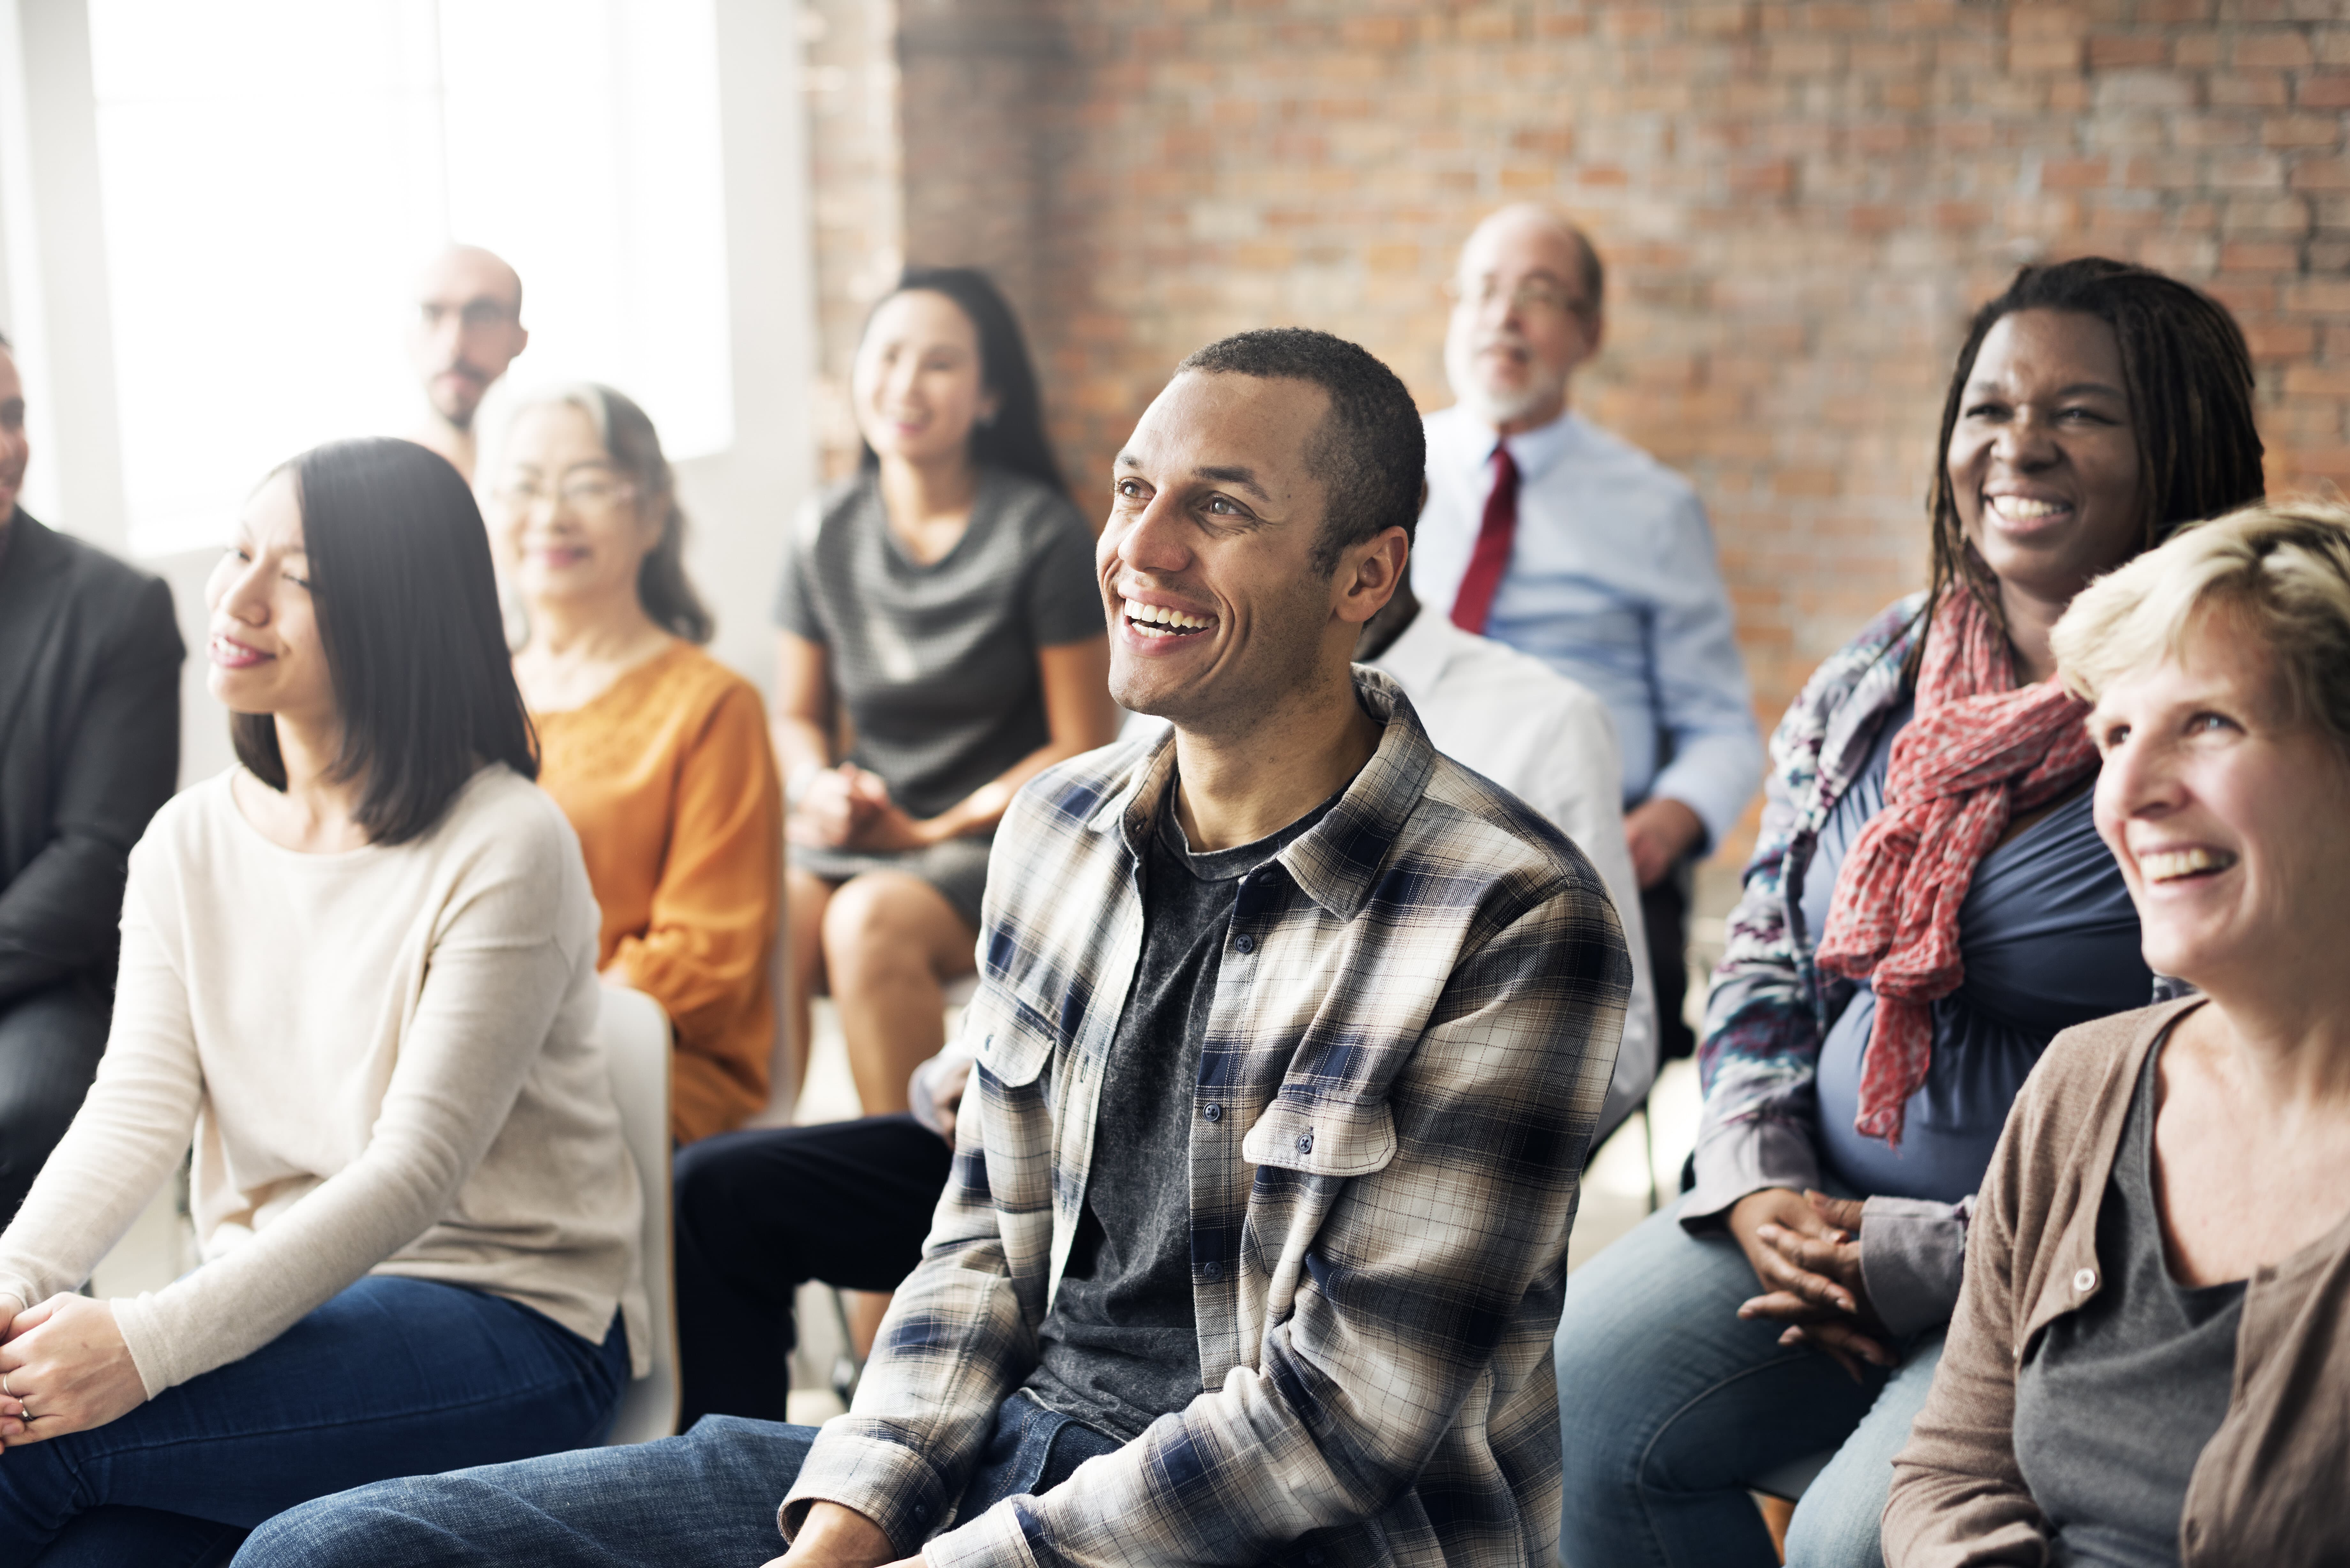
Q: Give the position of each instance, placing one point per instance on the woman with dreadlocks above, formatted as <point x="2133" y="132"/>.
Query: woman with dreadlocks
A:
<point x="1927" y="905"/>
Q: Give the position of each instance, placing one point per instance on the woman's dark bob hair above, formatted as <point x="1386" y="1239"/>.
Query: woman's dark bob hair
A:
<point x="2189" y="377"/>
<point x="1014" y="439"/>
<point x="408" y="614"/>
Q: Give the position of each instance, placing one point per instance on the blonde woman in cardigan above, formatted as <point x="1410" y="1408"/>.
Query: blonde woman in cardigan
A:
<point x="2149" y="1362"/>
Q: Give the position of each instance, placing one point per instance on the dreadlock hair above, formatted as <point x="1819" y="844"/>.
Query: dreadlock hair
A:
<point x="2188" y="378"/>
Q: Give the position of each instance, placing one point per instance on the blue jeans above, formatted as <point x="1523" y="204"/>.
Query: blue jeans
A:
<point x="707" y="1498"/>
<point x="1670" y="1405"/>
<point x="389" y="1376"/>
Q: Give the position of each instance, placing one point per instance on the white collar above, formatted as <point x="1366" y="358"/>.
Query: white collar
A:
<point x="1533" y="450"/>
<point x="1417" y="657"/>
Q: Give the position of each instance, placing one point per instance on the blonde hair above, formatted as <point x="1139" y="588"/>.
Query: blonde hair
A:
<point x="2278" y="571"/>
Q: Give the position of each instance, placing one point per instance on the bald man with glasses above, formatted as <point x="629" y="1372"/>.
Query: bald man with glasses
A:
<point x="1545" y="531"/>
<point x="467" y="329"/>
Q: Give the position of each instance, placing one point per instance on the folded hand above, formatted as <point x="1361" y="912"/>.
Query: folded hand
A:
<point x="65" y="1368"/>
<point x="1806" y="1251"/>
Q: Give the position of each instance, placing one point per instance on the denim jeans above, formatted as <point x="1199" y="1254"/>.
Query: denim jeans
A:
<point x="390" y="1376"/>
<point x="1670" y="1405"/>
<point x="707" y="1498"/>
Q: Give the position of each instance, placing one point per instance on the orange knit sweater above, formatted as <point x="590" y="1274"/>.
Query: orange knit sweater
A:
<point x="668" y="778"/>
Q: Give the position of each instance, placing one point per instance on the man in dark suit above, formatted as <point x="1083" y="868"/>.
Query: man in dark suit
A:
<point x="89" y="747"/>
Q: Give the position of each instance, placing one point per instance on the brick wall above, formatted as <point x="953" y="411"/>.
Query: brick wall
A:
<point x="1799" y="203"/>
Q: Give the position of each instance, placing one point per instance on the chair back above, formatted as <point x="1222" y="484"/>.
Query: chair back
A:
<point x="634" y="1033"/>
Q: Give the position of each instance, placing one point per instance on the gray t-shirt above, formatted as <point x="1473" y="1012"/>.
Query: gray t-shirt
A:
<point x="1121" y="1346"/>
<point x="2115" y="1402"/>
<point x="936" y="663"/>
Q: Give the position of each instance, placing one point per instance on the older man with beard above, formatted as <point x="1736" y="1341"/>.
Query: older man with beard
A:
<point x="1547" y="533"/>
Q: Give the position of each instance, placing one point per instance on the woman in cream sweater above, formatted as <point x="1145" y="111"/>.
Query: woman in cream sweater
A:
<point x="358" y="976"/>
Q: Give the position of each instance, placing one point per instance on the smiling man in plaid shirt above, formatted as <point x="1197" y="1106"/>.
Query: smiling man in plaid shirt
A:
<point x="1291" y="1037"/>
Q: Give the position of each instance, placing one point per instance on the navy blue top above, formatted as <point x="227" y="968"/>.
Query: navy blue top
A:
<point x="2049" y="938"/>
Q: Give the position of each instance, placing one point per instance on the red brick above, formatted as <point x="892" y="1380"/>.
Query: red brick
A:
<point x="2247" y="174"/>
<point x="2044" y="55"/>
<point x="2306" y="381"/>
<point x="2301" y="130"/>
<point x="2265" y="47"/>
<point x="2279" y="339"/>
<point x="2320" y="174"/>
<point x="2075" y="173"/>
<point x="2247" y="89"/>
<point x="2260" y="255"/>
<point x="2328" y="295"/>
<point x="2324" y="89"/>
<point x="2146" y="90"/>
<point x="2110" y="50"/>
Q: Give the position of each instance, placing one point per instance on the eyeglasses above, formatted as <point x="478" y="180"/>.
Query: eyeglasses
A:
<point x="1533" y="296"/>
<point x="473" y="316"/>
<point x="580" y="492"/>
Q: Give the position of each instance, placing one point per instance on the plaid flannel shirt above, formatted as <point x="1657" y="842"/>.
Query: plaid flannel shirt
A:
<point x="1413" y="1029"/>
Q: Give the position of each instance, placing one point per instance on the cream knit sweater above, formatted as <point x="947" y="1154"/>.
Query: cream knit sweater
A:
<point x="384" y="1058"/>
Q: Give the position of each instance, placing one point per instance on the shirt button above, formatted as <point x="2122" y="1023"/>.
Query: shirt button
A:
<point x="2087" y="1279"/>
<point x="922" y="1510"/>
<point x="1244" y="943"/>
<point x="1305" y="1143"/>
<point x="1212" y="1269"/>
<point x="1312" y="1554"/>
<point x="1214" y="1113"/>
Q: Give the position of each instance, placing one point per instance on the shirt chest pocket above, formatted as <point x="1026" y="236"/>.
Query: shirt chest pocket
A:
<point x="1009" y="1038"/>
<point x="1321" y="1138"/>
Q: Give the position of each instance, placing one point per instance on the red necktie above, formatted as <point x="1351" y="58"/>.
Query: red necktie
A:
<point x="1490" y="559"/>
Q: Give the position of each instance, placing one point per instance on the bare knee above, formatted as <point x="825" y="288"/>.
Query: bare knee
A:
<point x="872" y="931"/>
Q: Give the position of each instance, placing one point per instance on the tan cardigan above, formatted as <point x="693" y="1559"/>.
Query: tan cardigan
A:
<point x="2270" y="1486"/>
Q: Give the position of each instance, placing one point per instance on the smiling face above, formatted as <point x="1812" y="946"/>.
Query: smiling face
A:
<point x="2231" y="819"/>
<point x="1206" y="563"/>
<point x="918" y="385"/>
<point x="1521" y="323"/>
<point x="568" y="526"/>
<point x="263" y="640"/>
<point x="2044" y="461"/>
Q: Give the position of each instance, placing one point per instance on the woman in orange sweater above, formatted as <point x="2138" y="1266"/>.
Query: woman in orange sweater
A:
<point x="656" y="751"/>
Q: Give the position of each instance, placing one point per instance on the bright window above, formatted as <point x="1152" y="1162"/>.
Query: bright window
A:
<point x="275" y="171"/>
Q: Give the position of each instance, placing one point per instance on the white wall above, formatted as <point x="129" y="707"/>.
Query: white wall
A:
<point x="54" y="301"/>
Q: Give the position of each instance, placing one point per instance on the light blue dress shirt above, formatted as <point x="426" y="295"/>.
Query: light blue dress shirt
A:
<point x="1612" y="582"/>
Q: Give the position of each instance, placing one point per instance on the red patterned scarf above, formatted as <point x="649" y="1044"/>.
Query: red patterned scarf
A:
<point x="1978" y="752"/>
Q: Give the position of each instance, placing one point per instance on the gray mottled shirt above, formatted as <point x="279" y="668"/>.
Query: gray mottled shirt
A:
<point x="1121" y="1346"/>
<point x="936" y="663"/>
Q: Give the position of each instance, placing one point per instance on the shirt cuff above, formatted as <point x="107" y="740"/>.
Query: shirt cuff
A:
<point x="922" y="1091"/>
<point x="886" y="1481"/>
<point x="1743" y="1157"/>
<point x="996" y="1539"/>
<point x="1913" y="1253"/>
<point x="1717" y="801"/>
<point x="133" y="1321"/>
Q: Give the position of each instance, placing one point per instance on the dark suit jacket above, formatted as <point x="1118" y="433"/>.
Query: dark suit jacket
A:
<point x="89" y="747"/>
